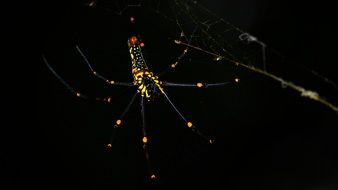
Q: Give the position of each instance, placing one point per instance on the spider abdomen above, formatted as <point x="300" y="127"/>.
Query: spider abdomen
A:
<point x="148" y="84"/>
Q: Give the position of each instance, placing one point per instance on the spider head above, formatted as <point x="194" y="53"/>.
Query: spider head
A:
<point x="149" y="85"/>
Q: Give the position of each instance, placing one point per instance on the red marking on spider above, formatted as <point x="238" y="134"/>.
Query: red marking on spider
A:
<point x="133" y="40"/>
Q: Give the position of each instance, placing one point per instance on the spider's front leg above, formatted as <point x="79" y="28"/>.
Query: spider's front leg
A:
<point x="145" y="141"/>
<point x="188" y="123"/>
<point x="119" y="121"/>
<point x="198" y="85"/>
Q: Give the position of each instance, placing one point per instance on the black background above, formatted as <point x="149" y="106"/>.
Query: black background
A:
<point x="268" y="137"/>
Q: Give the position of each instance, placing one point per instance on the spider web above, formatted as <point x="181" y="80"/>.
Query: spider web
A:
<point x="210" y="38"/>
<point x="216" y="50"/>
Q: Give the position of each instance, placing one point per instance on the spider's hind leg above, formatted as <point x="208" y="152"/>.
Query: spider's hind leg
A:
<point x="96" y="74"/>
<point x="70" y="88"/>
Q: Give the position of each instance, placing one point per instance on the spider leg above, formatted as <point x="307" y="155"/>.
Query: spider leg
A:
<point x="118" y="122"/>
<point x="96" y="74"/>
<point x="183" y="54"/>
<point x="198" y="85"/>
<point x="71" y="89"/>
<point x="188" y="123"/>
<point x="145" y="141"/>
<point x="185" y="51"/>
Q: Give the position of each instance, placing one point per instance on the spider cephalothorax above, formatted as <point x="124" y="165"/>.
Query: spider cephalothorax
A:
<point x="148" y="85"/>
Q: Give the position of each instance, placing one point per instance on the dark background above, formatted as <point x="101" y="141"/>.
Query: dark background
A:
<point x="268" y="137"/>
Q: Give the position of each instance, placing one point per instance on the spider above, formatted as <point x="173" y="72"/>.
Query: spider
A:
<point x="148" y="87"/>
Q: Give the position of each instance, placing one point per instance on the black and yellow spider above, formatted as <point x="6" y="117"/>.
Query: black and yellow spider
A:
<point x="148" y="87"/>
